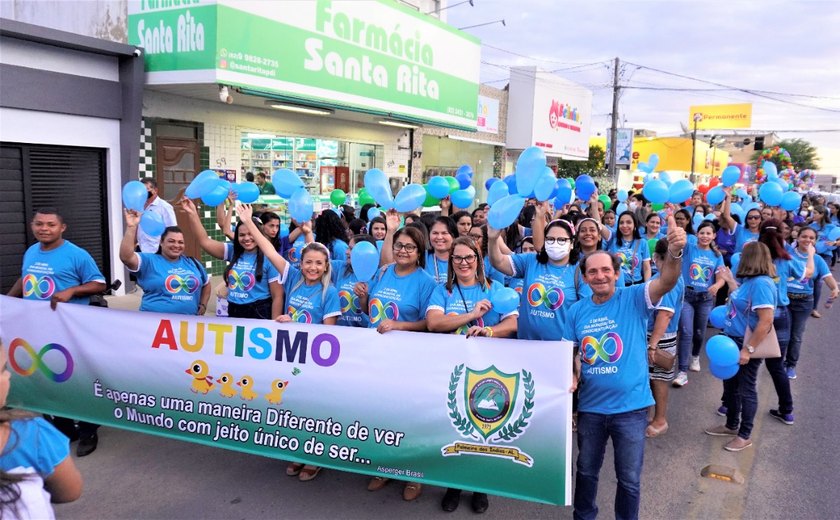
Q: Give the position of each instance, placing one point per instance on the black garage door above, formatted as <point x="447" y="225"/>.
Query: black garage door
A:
<point x="70" y="179"/>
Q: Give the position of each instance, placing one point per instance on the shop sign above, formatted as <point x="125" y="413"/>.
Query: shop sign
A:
<point x="488" y="115"/>
<point x="716" y="117"/>
<point x="549" y="112"/>
<point x="366" y="55"/>
<point x="624" y="137"/>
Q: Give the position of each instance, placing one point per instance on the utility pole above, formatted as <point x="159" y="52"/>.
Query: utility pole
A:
<point x="697" y="118"/>
<point x="614" y="128"/>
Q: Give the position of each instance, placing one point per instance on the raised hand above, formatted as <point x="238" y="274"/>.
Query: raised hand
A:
<point x="132" y="218"/>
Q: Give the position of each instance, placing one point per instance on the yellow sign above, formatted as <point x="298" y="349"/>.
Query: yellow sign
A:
<point x="715" y="117"/>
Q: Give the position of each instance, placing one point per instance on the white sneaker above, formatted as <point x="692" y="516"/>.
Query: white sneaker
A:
<point x="681" y="379"/>
<point x="694" y="366"/>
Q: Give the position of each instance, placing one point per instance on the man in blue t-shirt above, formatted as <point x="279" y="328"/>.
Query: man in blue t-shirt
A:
<point x="610" y="329"/>
<point x="58" y="271"/>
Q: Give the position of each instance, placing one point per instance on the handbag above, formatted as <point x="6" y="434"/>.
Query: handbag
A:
<point x="663" y="359"/>
<point x="769" y="346"/>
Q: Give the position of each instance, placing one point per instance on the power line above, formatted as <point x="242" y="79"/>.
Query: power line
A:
<point x="536" y="59"/>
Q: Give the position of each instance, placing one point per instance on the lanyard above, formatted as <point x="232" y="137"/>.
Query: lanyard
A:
<point x="464" y="301"/>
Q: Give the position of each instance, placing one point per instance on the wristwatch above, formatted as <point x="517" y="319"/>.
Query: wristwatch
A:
<point x="750" y="349"/>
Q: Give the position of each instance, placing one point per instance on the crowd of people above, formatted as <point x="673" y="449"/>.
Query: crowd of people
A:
<point x="631" y="291"/>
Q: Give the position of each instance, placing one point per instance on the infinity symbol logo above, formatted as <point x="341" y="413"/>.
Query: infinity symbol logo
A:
<point x="551" y="298"/>
<point x="463" y="329"/>
<point x="42" y="288"/>
<point x="628" y="263"/>
<point x="38" y="362"/>
<point x="380" y="311"/>
<point x="592" y="348"/>
<point x="175" y="284"/>
<point x="349" y="302"/>
<point x="244" y="281"/>
<point x="699" y="273"/>
<point x="300" y="315"/>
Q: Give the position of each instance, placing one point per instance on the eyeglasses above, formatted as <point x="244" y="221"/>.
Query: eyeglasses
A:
<point x="463" y="259"/>
<point x="409" y="248"/>
<point x="754" y="217"/>
<point x="476" y="237"/>
<point x="559" y="241"/>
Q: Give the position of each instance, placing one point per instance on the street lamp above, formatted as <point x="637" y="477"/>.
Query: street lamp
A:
<point x="502" y="21"/>
<point x="714" y="142"/>
<point x="697" y="118"/>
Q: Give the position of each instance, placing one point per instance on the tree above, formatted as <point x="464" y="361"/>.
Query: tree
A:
<point x="593" y="166"/>
<point x="803" y="154"/>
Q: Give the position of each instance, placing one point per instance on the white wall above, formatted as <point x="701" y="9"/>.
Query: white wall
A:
<point x="105" y="19"/>
<point x="26" y="126"/>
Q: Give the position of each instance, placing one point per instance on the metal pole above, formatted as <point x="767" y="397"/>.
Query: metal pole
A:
<point x="614" y="128"/>
<point x="693" y="147"/>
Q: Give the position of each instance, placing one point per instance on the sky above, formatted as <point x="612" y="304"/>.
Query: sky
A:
<point x="781" y="48"/>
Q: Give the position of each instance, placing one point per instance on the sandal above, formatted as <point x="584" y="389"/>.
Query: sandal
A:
<point x="309" y="473"/>
<point x="412" y="491"/>
<point x="293" y="469"/>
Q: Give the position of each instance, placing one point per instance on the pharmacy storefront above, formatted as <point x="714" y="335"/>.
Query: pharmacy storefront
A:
<point x="326" y="88"/>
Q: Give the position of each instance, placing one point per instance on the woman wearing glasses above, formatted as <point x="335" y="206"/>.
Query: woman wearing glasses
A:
<point x="550" y="284"/>
<point x="462" y="306"/>
<point x="397" y="298"/>
<point x="479" y="235"/>
<point x="744" y="233"/>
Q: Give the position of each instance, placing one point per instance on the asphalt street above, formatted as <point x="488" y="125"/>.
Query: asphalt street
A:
<point x="790" y="472"/>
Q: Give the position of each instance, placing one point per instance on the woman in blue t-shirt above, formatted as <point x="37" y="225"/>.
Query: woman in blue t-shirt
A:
<point x="462" y="306"/>
<point x="171" y="282"/>
<point x="821" y="223"/>
<point x="634" y="252"/>
<point x="550" y="285"/>
<point x="700" y="274"/>
<point x="441" y="234"/>
<point x="751" y="306"/>
<point x="745" y="232"/>
<point x="254" y="289"/>
<point x="345" y="280"/>
<point x="479" y="235"/>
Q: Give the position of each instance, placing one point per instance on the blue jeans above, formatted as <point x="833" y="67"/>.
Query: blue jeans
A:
<point x="694" y="319"/>
<point x="800" y="311"/>
<point x="776" y="366"/>
<point x="741" y="397"/>
<point x="627" y="431"/>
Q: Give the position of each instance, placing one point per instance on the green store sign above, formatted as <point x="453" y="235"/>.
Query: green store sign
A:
<point x="373" y="56"/>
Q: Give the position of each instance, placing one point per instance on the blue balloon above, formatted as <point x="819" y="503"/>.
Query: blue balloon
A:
<point x="364" y="258"/>
<point x="464" y="169"/>
<point x="497" y="191"/>
<point x="300" y="205"/>
<point x="217" y="194"/>
<point x="505" y="300"/>
<point x="722" y="350"/>
<point x="782" y="183"/>
<point x="284" y="231"/>
<point x="718" y="317"/>
<point x="584" y="187"/>
<point x="134" y="195"/>
<point x="734" y="261"/>
<point x="375" y="177"/>
<point x="742" y="194"/>
<point x="680" y="191"/>
<point x="510" y="180"/>
<point x="791" y="201"/>
<point x="656" y="191"/>
<point x="246" y="192"/>
<point x="529" y="166"/>
<point x="373" y="213"/>
<point x="464" y="180"/>
<point x="622" y="195"/>
<point x="666" y="178"/>
<point x="697" y="219"/>
<point x="710" y="216"/>
<point x="545" y="186"/>
<point x="410" y="197"/>
<point x="834" y="234"/>
<point x="730" y="175"/>
<point x="621" y="208"/>
<point x="644" y="167"/>
<point x="379" y="188"/>
<point x="490" y="182"/>
<point x="286" y="182"/>
<point x="736" y="209"/>
<point x="770" y="169"/>
<point x="564" y="193"/>
<point x="201" y="184"/>
<point x="505" y="211"/>
<point x="653" y="161"/>
<point x="724" y="372"/>
<point x="463" y="198"/>
<point x="152" y="224"/>
<point x="715" y="195"/>
<point x="438" y="187"/>
<point x="771" y="193"/>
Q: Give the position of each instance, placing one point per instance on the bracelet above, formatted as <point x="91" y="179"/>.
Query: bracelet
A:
<point x="489" y="331"/>
<point x="675" y="257"/>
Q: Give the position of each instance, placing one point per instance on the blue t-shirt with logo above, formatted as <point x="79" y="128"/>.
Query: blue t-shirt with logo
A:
<point x="399" y="298"/>
<point x="743" y="236"/>
<point x="699" y="267"/>
<point x="798" y="284"/>
<point x="352" y="314"/>
<point x="338" y="249"/>
<point x="464" y="301"/>
<point x="243" y="287"/>
<point x="437" y="268"/>
<point x="612" y="338"/>
<point x="308" y="303"/>
<point x="45" y="273"/>
<point x="548" y="292"/>
<point x="632" y="255"/>
<point x="671" y="302"/>
<point x="170" y="286"/>
<point x="754" y="293"/>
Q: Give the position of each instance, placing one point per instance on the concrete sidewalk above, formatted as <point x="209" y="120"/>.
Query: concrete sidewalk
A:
<point x="131" y="301"/>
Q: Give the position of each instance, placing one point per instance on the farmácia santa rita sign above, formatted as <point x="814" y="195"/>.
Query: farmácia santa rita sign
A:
<point x="372" y="56"/>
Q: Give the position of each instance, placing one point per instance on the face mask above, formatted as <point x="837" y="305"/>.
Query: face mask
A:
<point x="149" y="195"/>
<point x="558" y="252"/>
<point x="633" y="206"/>
<point x="803" y="213"/>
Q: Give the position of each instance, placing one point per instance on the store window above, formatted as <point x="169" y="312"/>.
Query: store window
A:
<point x="443" y="156"/>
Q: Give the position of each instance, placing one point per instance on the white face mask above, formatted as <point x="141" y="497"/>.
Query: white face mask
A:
<point x="632" y="206"/>
<point x="557" y="252"/>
